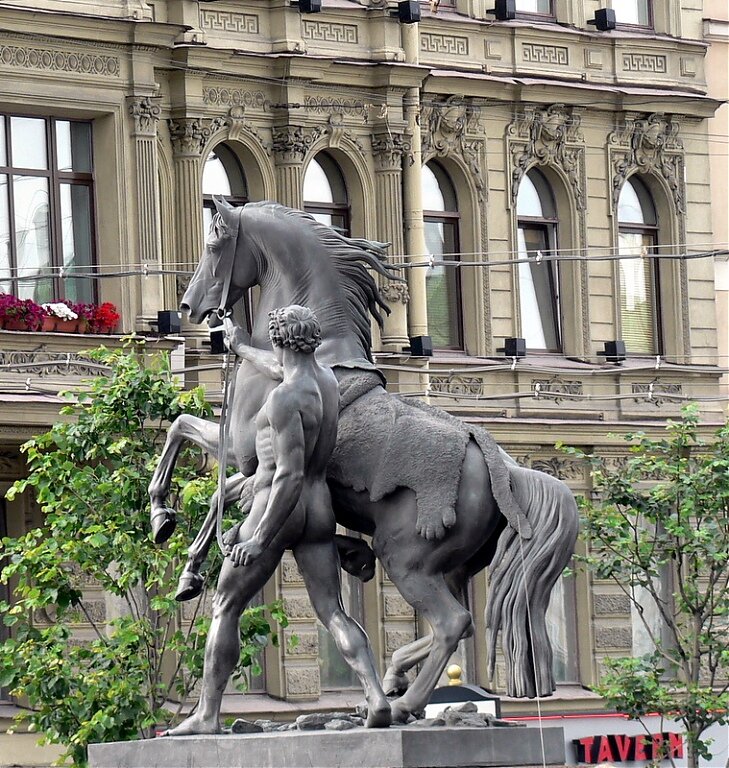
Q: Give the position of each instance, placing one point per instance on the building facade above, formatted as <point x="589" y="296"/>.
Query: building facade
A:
<point x="545" y="186"/>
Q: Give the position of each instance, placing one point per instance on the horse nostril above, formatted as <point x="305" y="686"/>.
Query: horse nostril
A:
<point x="184" y="307"/>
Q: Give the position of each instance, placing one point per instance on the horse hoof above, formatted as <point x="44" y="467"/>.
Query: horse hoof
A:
<point x="189" y="586"/>
<point x="401" y="713"/>
<point x="164" y="522"/>
<point x="379" y="717"/>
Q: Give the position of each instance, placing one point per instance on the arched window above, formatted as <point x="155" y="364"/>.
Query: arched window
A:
<point x="325" y="193"/>
<point x="222" y="175"/>
<point x="442" y="284"/>
<point x="637" y="231"/>
<point x="539" y="304"/>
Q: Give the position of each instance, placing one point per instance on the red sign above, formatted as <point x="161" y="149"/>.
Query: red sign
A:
<point x="617" y="748"/>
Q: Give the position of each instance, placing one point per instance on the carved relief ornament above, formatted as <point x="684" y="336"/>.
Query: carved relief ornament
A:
<point x="648" y="145"/>
<point x="395" y="292"/>
<point x="292" y="142"/>
<point x="550" y="136"/>
<point x="189" y="135"/>
<point x="445" y="128"/>
<point x="239" y="126"/>
<point x="389" y="149"/>
<point x="145" y="111"/>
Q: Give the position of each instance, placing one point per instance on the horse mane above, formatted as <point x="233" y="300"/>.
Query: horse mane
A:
<point x="351" y="257"/>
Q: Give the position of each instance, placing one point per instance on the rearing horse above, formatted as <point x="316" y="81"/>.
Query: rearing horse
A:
<point x="481" y="509"/>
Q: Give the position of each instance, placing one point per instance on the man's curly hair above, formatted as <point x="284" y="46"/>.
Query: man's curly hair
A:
<point x="295" y="327"/>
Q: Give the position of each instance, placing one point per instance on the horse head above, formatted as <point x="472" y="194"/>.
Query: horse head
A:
<point x="220" y="279"/>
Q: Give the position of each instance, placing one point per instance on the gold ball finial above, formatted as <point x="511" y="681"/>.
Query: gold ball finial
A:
<point x="454" y="673"/>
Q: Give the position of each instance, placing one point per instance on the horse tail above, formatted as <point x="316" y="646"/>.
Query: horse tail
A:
<point x="521" y="577"/>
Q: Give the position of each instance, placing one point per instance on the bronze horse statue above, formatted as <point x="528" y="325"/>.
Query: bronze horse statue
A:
<point x="441" y="503"/>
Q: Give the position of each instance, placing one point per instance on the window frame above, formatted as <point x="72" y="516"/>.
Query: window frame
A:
<point x="56" y="178"/>
<point x="649" y="27"/>
<point x="340" y="210"/>
<point x="539" y="16"/>
<point x="644" y="196"/>
<point x="550" y="226"/>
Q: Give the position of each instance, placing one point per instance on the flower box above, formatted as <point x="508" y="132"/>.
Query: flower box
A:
<point x="60" y="317"/>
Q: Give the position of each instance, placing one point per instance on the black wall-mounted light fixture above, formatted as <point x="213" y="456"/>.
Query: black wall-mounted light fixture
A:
<point x="604" y="20"/>
<point x="307" y="6"/>
<point x="169" y="322"/>
<point x="504" y="10"/>
<point x="217" y="342"/>
<point x="614" y="351"/>
<point x="421" y="346"/>
<point x="408" y="12"/>
<point x="515" y="347"/>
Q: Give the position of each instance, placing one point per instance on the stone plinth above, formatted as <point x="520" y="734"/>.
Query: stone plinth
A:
<point x="409" y="747"/>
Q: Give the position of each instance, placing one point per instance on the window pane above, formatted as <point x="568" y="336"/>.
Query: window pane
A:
<point x="528" y="202"/>
<point x="637" y="294"/>
<point x="561" y="622"/>
<point x="32" y="236"/>
<point x="538" y="299"/>
<point x="635" y="205"/>
<point x="441" y="286"/>
<point x="317" y="188"/>
<point x="3" y="153"/>
<point x="76" y="239"/>
<point x="28" y="142"/>
<point x="632" y="12"/>
<point x="215" y="180"/>
<point x="534" y="6"/>
<point x="73" y="146"/>
<point x="432" y="193"/>
<point x="5" y="265"/>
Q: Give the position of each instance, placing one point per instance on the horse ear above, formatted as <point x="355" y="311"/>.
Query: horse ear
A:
<point x="224" y="208"/>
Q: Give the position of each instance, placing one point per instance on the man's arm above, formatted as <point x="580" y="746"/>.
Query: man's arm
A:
<point x="264" y="360"/>
<point x="288" y="480"/>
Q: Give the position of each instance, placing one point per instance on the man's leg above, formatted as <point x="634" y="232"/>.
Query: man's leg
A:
<point x="236" y="588"/>
<point x="319" y="565"/>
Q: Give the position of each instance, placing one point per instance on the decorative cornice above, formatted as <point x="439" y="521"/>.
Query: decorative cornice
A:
<point x="145" y="111"/>
<point x="59" y="61"/>
<point x="389" y="149"/>
<point x="43" y="364"/>
<point x="549" y="136"/>
<point x="189" y="135"/>
<point x="648" y="145"/>
<point x="292" y="142"/>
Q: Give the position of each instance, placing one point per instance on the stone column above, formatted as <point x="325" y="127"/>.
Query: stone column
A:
<point x="412" y="193"/>
<point x="290" y="144"/>
<point x="388" y="150"/>
<point x="145" y="111"/>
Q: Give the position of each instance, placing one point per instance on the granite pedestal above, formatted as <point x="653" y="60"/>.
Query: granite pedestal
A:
<point x="359" y="748"/>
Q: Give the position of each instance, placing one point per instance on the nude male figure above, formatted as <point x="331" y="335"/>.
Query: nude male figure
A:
<point x="296" y="431"/>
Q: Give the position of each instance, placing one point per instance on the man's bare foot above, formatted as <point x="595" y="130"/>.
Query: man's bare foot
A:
<point x="193" y="725"/>
<point x="379" y="714"/>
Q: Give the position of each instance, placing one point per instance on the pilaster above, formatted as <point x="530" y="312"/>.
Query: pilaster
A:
<point x="290" y="145"/>
<point x="388" y="150"/>
<point x="144" y="112"/>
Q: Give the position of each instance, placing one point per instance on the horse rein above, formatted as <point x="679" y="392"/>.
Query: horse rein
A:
<point x="224" y="427"/>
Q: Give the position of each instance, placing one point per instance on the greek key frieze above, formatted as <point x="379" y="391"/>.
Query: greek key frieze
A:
<point x="330" y="32"/>
<point x="536" y="53"/>
<point x="644" y="62"/>
<point x="226" y="21"/>
<point x="454" y="45"/>
<point x="59" y="61"/>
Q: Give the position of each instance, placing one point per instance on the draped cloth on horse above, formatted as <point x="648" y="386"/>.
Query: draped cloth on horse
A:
<point x="374" y="452"/>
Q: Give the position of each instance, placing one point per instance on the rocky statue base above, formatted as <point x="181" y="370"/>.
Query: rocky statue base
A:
<point x="396" y="747"/>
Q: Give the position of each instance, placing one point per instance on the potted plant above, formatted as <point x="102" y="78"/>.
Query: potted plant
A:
<point x="20" y="314"/>
<point x="60" y="317"/>
<point x="104" y="318"/>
